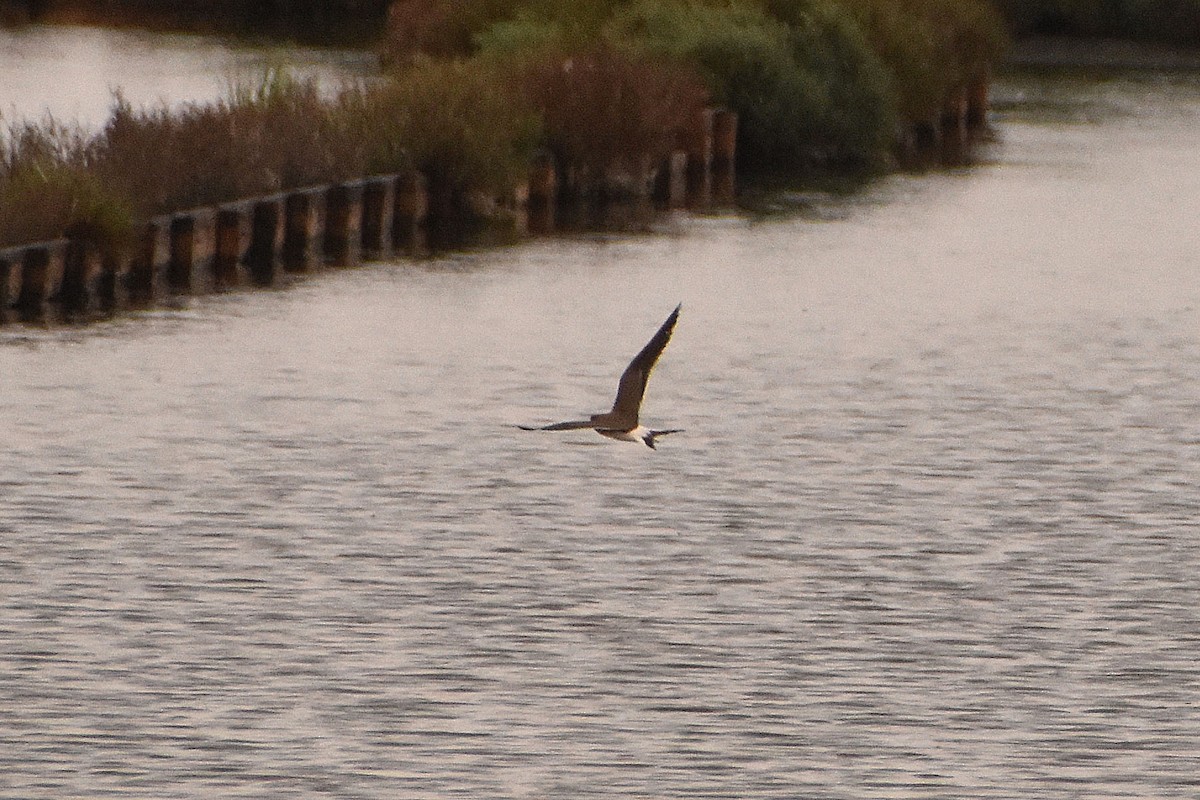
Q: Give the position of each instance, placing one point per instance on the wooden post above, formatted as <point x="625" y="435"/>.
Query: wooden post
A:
<point x="75" y="292"/>
<point x="10" y="281"/>
<point x="978" y="102"/>
<point x="699" y="148"/>
<point x="955" y="132"/>
<point x="143" y="268"/>
<point x="378" y="208"/>
<point x="230" y="238"/>
<point x="265" y="241"/>
<point x="670" y="184"/>
<point x="182" y="253"/>
<point x="343" y="224"/>
<point x="35" y="273"/>
<point x="300" y="226"/>
<point x="954" y="113"/>
<point x="411" y="208"/>
<point x="927" y="136"/>
<point x="724" y="185"/>
<point x="110" y="294"/>
<point x="542" y="200"/>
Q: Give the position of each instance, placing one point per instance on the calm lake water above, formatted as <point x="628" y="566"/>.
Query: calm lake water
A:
<point x="931" y="532"/>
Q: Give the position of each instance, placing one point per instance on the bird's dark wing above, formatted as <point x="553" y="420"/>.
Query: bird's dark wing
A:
<point x="633" y="379"/>
<point x="559" y="426"/>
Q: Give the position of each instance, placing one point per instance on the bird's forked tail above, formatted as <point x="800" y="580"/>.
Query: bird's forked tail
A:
<point x="652" y="435"/>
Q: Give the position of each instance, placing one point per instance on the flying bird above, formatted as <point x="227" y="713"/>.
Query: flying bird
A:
<point x="622" y="421"/>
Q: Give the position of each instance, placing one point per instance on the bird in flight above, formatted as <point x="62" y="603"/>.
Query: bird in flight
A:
<point x="622" y="421"/>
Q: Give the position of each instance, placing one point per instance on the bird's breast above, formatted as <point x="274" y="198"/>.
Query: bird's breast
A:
<point x="634" y="435"/>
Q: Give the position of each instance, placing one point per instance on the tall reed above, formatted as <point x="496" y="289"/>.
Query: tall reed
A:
<point x="277" y="134"/>
<point x="47" y="187"/>
<point x="606" y="111"/>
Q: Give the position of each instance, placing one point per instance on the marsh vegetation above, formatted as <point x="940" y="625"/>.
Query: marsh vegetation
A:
<point x="472" y="96"/>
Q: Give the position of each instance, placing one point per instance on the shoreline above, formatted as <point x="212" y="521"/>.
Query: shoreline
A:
<point x="1075" y="52"/>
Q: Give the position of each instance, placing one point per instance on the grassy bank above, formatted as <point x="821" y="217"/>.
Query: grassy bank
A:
<point x="280" y="134"/>
<point x="477" y="90"/>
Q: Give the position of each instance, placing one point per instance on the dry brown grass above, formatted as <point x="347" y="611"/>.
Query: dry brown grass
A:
<point x="47" y="188"/>
<point x="276" y="135"/>
<point x="280" y="134"/>
<point x="606" y="110"/>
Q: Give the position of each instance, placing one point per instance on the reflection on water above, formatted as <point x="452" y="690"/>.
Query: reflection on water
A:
<point x="71" y="72"/>
<point x="931" y="532"/>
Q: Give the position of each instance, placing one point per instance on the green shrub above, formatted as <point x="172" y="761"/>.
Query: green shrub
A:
<point x="453" y="28"/>
<point x="814" y="82"/>
<point x="524" y="38"/>
<point x="930" y="47"/>
<point x="858" y="117"/>
<point x="781" y="79"/>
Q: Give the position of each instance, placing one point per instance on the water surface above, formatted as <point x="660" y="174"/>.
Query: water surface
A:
<point x="931" y="531"/>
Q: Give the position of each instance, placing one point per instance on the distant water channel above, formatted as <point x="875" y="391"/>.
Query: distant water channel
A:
<point x="70" y="72"/>
<point x="933" y="530"/>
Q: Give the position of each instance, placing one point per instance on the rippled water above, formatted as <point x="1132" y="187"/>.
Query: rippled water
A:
<point x="931" y="531"/>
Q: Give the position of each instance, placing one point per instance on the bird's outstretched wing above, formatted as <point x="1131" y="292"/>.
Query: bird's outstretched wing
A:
<point x="633" y="380"/>
<point x="559" y="426"/>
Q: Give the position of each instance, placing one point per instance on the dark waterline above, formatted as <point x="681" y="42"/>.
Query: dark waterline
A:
<point x="321" y="23"/>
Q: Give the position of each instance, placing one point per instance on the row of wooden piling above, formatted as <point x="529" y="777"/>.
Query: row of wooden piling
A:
<point x="253" y="242"/>
<point x="947" y="137"/>
<point x="264" y="240"/>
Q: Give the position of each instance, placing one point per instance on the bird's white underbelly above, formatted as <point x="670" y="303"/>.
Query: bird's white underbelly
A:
<point x="638" y="434"/>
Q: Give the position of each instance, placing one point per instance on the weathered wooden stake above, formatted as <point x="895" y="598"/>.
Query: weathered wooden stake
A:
<point x="411" y="208"/>
<point x="978" y="102"/>
<point x="143" y="267"/>
<point x="955" y="130"/>
<point x="78" y="267"/>
<point x="230" y="236"/>
<point x="10" y="282"/>
<point x="110" y="294"/>
<point x="182" y="253"/>
<point x="699" y="148"/>
<point x="670" y="182"/>
<point x="265" y="240"/>
<point x="343" y="224"/>
<point x="300" y="225"/>
<point x="542" y="200"/>
<point x="35" y="270"/>
<point x="378" y="209"/>
<point x="724" y="185"/>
